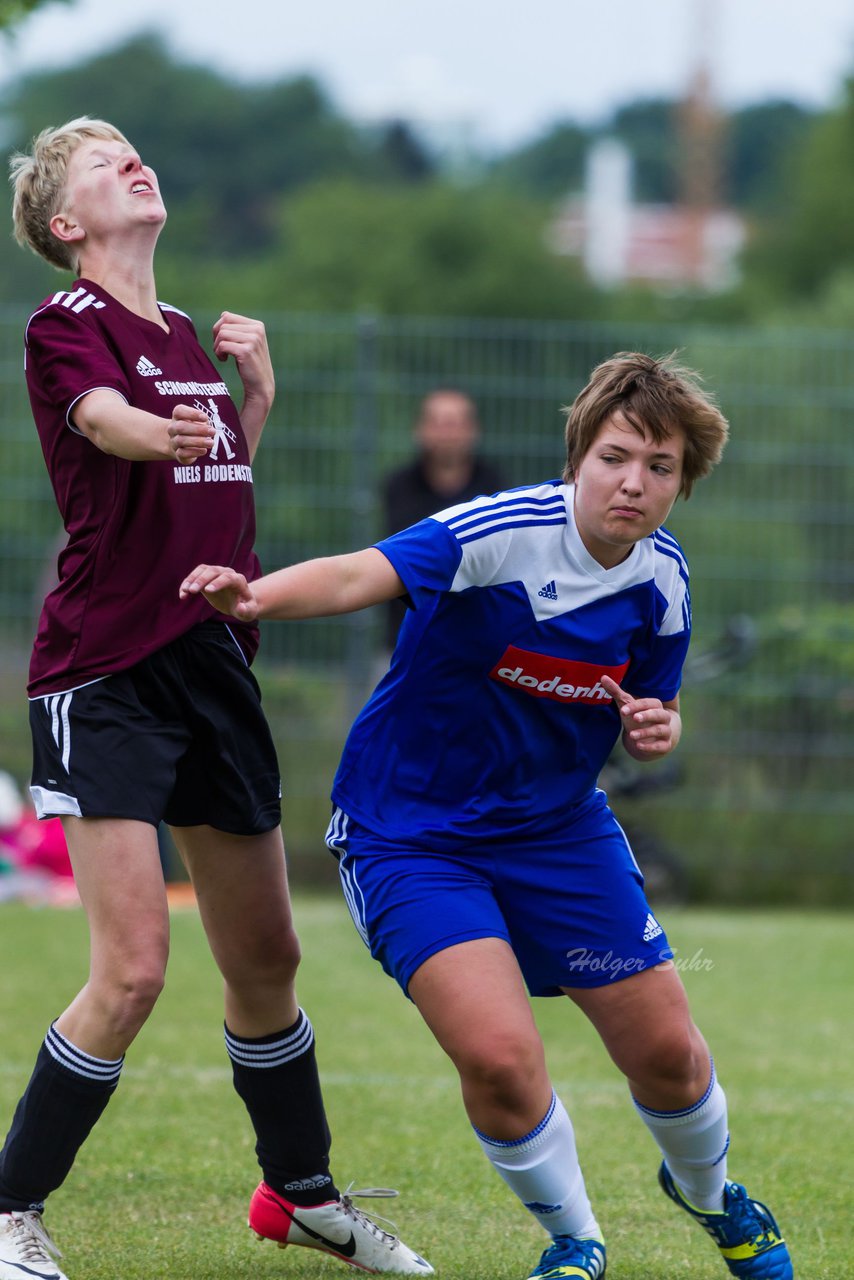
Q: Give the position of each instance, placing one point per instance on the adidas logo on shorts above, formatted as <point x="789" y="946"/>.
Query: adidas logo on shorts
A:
<point x="652" y="929"/>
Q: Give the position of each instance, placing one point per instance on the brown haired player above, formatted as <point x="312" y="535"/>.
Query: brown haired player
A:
<point x="477" y="854"/>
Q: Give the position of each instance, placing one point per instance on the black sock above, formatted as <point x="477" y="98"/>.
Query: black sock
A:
<point x="276" y="1076"/>
<point x="66" y="1094"/>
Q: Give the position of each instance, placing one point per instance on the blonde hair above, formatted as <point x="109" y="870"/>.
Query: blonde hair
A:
<point x="38" y="179"/>
<point x="653" y="395"/>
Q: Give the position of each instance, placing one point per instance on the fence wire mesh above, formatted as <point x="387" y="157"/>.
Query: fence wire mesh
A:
<point x="763" y="794"/>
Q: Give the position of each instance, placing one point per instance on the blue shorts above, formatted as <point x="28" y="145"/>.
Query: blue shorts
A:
<point x="571" y="904"/>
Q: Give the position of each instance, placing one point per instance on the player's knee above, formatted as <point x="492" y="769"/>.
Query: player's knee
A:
<point x="677" y="1059"/>
<point x="502" y="1066"/>
<point x="130" y="996"/>
<point x="268" y="962"/>
<point x="275" y="971"/>
<point x="283" y="953"/>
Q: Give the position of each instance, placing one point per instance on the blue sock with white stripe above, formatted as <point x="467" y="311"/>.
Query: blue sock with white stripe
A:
<point x="542" y="1169"/>
<point x="694" y="1143"/>
<point x="277" y="1078"/>
<point x="65" y="1097"/>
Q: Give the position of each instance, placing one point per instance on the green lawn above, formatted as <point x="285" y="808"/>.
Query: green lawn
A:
<point x="161" y="1188"/>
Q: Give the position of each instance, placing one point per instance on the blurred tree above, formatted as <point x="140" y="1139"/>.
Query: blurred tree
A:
<point x="400" y="155"/>
<point x="758" y="146"/>
<point x="222" y="151"/>
<point x="548" y="168"/>
<point x="437" y="251"/>
<point x="553" y="165"/>
<point x="431" y="250"/>
<point x="13" y="11"/>
<point x="812" y="237"/>
<point x="228" y="154"/>
<point x="649" y="129"/>
<point x="758" y="143"/>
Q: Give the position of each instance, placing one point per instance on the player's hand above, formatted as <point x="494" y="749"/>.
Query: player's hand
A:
<point x="191" y="433"/>
<point x="649" y="727"/>
<point x="226" y="589"/>
<point x="246" y="340"/>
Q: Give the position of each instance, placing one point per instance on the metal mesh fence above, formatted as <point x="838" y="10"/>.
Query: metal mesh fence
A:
<point x="763" y="795"/>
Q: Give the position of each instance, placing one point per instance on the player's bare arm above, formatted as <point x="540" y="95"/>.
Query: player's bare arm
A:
<point x="651" y="728"/>
<point x="115" y="427"/>
<point x="246" y="340"/>
<point x="314" y="589"/>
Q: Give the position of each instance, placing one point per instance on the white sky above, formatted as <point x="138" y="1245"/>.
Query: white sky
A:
<point x="503" y="69"/>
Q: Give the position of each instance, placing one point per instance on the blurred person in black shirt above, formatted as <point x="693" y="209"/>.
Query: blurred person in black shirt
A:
<point x="446" y="469"/>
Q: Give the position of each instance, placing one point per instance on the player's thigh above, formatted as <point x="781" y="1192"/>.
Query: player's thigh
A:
<point x="241" y="887"/>
<point x="645" y="1022"/>
<point x="472" y="997"/>
<point x="119" y="878"/>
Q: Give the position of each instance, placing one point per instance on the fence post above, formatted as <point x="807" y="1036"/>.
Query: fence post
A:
<point x="360" y="634"/>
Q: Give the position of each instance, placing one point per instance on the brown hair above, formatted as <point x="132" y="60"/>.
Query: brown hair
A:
<point x="38" y="179"/>
<point x="655" y="396"/>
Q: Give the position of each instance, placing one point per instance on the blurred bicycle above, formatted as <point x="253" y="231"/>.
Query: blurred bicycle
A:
<point x="666" y="878"/>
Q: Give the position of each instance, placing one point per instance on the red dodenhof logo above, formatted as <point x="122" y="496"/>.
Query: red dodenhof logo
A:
<point x="562" y="679"/>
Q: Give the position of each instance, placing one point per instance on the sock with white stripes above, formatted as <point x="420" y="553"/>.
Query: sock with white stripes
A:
<point x="66" y="1095"/>
<point x="277" y="1078"/>
<point x="542" y="1169"/>
<point x="694" y="1143"/>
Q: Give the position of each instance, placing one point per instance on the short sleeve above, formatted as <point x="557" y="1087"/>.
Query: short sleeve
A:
<point x="425" y="557"/>
<point x="66" y="358"/>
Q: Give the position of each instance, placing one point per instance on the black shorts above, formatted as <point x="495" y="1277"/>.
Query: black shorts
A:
<point x="180" y="737"/>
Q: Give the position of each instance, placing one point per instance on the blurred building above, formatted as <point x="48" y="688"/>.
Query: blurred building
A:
<point x="694" y="243"/>
<point x="665" y="246"/>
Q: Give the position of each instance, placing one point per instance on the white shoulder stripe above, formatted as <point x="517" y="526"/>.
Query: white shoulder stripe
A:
<point x="167" y="306"/>
<point x="517" y="520"/>
<point x="76" y="301"/>
<point x="488" y="515"/>
<point x="663" y="535"/>
<point x="668" y="546"/>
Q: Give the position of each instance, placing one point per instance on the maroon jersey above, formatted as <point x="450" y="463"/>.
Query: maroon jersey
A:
<point x="134" y="528"/>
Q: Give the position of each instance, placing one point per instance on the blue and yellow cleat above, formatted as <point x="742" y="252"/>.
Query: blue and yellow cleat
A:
<point x="571" y="1258"/>
<point x="744" y="1230"/>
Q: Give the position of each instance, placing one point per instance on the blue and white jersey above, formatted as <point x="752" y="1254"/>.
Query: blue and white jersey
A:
<point x="492" y="722"/>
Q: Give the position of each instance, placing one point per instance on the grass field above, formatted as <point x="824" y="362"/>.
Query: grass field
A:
<point x="160" y="1189"/>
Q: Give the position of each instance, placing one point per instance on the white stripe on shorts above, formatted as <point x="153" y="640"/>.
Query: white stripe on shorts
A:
<point x="336" y="833"/>
<point x="336" y="840"/>
<point x="47" y="803"/>
<point x="354" y="898"/>
<point x="57" y="706"/>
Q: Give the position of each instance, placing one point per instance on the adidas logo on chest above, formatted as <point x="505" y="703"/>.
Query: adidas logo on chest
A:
<point x="145" y="367"/>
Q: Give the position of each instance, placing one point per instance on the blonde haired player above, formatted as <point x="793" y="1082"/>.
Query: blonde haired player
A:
<point x="143" y="709"/>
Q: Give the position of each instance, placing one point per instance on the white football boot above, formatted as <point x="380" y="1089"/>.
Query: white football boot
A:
<point x="26" y="1250"/>
<point x="336" y="1227"/>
